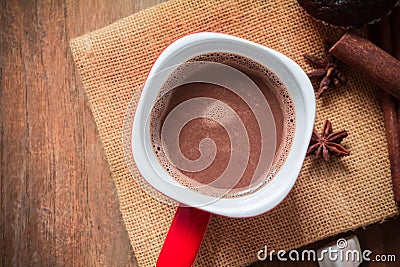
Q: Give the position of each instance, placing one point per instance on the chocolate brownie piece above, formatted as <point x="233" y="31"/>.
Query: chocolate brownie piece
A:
<point x="347" y="12"/>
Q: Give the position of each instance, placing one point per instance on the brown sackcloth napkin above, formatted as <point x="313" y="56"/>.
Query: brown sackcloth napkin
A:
<point x="327" y="199"/>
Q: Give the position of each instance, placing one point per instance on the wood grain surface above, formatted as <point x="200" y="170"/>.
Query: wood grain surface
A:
<point x="58" y="202"/>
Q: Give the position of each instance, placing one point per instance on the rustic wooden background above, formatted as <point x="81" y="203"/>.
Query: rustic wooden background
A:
<point x="58" y="202"/>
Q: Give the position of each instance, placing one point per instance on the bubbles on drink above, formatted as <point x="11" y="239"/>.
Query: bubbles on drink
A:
<point x="222" y="125"/>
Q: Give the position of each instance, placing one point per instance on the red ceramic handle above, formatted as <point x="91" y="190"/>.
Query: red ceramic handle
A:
<point x="184" y="237"/>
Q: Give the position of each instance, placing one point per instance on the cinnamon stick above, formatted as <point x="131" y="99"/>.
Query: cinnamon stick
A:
<point x="390" y="108"/>
<point x="365" y="57"/>
<point x="385" y="35"/>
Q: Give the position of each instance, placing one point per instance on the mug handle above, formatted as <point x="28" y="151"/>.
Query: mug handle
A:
<point x="184" y="237"/>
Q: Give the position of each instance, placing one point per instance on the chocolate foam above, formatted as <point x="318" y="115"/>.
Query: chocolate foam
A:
<point x="193" y="132"/>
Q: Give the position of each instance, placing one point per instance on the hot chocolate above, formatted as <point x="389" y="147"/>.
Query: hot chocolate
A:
<point x="213" y="134"/>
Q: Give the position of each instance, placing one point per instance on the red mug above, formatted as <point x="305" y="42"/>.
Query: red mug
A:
<point x="193" y="214"/>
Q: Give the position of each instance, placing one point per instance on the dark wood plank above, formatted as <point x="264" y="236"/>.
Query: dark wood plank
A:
<point x="58" y="202"/>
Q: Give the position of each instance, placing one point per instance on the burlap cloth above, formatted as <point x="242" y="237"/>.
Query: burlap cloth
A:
<point x="328" y="198"/>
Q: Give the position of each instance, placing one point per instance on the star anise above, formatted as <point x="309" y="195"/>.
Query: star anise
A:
<point x="328" y="68"/>
<point x="328" y="143"/>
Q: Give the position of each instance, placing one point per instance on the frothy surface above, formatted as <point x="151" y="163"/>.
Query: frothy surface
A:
<point x="193" y="132"/>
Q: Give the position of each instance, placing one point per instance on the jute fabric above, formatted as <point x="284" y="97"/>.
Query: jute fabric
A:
<point x="327" y="199"/>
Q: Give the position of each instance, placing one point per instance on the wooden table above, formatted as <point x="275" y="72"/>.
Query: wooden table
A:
<point x="58" y="202"/>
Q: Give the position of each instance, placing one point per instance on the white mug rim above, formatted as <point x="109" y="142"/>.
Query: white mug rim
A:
<point x="270" y="195"/>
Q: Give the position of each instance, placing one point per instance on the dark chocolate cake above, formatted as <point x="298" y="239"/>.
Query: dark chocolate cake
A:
<point x="347" y="13"/>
